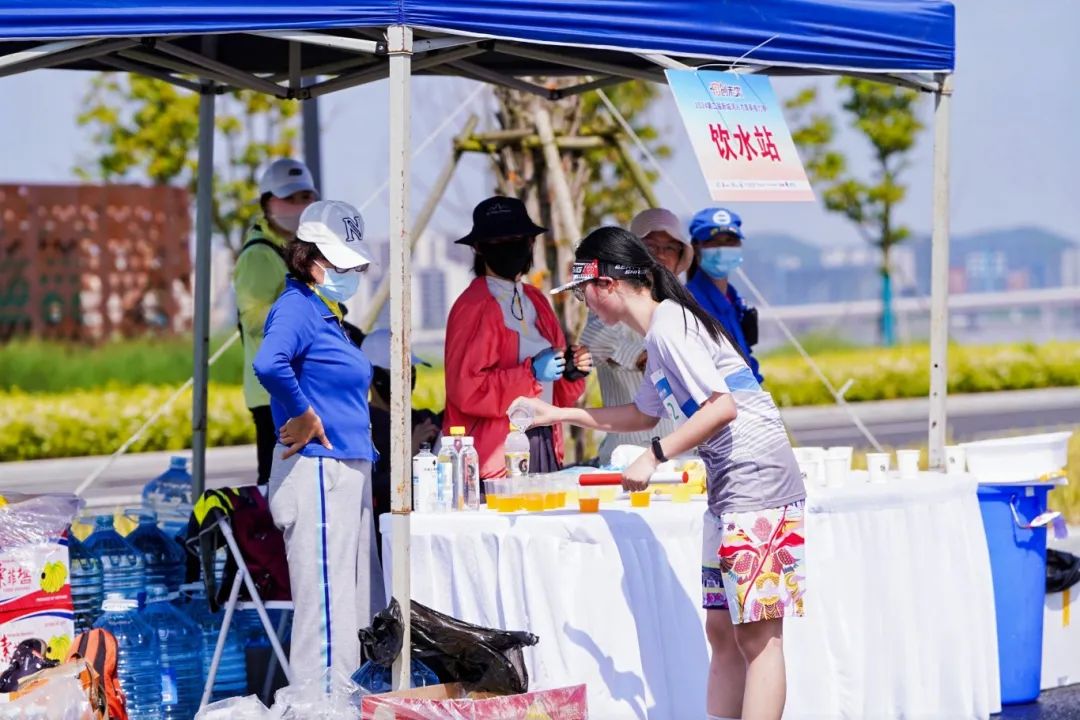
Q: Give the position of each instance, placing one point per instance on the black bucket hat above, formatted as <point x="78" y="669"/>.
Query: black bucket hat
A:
<point x="499" y="217"/>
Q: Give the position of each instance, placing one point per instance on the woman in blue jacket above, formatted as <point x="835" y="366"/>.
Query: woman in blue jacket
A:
<point x="717" y="238"/>
<point x="320" y="481"/>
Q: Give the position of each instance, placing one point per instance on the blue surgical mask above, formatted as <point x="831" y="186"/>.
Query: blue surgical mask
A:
<point x="719" y="262"/>
<point x="339" y="286"/>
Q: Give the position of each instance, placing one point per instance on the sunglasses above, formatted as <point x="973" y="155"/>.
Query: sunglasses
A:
<point x="579" y="290"/>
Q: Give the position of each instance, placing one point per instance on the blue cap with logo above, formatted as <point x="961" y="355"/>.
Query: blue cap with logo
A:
<point x="711" y="222"/>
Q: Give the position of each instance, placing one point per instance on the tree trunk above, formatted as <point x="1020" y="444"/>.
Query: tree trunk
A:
<point x="888" y="317"/>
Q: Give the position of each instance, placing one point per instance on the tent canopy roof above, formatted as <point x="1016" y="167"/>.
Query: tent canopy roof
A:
<point x="779" y="36"/>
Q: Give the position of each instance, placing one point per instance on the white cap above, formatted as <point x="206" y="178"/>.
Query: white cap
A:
<point x="337" y="228"/>
<point x="376" y="347"/>
<point x="285" y="177"/>
<point x="661" y="220"/>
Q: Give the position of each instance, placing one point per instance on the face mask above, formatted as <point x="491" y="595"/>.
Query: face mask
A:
<point x="507" y="260"/>
<point x="288" y="221"/>
<point x="719" y="262"/>
<point x="339" y="286"/>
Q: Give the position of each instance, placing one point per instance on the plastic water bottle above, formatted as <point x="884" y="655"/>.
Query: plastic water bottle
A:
<point x="517" y="453"/>
<point x="122" y="566"/>
<point x="169" y="495"/>
<point x="166" y="561"/>
<point x="231" y="678"/>
<point x="444" y="481"/>
<point x="181" y="645"/>
<point x="373" y="678"/>
<point x="138" y="666"/>
<point x="457" y="433"/>
<point x="470" y="468"/>
<point x="425" y="478"/>
<point x="86" y="593"/>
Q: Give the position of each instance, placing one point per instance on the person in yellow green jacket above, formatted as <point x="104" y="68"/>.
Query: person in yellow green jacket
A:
<point x="286" y="188"/>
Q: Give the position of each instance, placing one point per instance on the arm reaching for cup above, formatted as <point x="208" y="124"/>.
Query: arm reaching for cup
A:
<point x="714" y="414"/>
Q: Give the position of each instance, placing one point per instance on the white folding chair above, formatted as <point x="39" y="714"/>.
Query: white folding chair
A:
<point x="260" y="607"/>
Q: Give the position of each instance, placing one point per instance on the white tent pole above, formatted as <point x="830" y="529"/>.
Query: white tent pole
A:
<point x="399" y="50"/>
<point x="939" y="276"/>
<point x="201" y="291"/>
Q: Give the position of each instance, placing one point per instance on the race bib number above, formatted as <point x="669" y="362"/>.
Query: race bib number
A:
<point x="678" y="413"/>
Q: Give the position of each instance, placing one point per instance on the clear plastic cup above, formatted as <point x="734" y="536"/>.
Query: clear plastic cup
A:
<point x="511" y="498"/>
<point x="640" y="499"/>
<point x="681" y="493"/>
<point x="532" y="497"/>
<point x="521" y="417"/>
<point x="494" y="491"/>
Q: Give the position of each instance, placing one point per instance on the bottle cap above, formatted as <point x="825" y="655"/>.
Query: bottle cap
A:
<point x="467" y="441"/>
<point x="425" y="446"/>
<point x="457" y="430"/>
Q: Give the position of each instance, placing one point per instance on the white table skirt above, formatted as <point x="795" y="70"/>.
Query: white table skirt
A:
<point x="900" y="613"/>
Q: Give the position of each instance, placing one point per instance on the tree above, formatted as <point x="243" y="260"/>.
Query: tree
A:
<point x="886" y="116"/>
<point x="602" y="185"/>
<point x="149" y="132"/>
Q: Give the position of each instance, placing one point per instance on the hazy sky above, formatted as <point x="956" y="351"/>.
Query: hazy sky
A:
<point x="1014" y="135"/>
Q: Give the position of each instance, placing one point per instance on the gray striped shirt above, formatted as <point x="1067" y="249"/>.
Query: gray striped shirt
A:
<point x="615" y="350"/>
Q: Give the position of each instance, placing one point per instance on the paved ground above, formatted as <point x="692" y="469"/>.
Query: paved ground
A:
<point x="1059" y="704"/>
<point x="897" y="423"/>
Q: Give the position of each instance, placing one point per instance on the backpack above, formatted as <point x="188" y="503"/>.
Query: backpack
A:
<point x="98" y="648"/>
<point x="259" y="540"/>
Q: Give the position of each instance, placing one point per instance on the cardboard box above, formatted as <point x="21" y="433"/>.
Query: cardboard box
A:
<point x="35" y="576"/>
<point x="450" y="702"/>
<point x="55" y="626"/>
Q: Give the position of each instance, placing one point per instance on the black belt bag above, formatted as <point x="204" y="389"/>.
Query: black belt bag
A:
<point x="749" y="324"/>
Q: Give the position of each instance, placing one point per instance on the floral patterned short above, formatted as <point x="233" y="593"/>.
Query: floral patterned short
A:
<point x="756" y="559"/>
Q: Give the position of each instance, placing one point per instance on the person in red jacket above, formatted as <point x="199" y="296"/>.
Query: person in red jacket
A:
<point x="503" y="340"/>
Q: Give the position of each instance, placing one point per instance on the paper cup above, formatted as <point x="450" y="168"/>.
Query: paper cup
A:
<point x="907" y="462"/>
<point x="844" y="453"/>
<point x="955" y="460"/>
<point x="878" y="465"/>
<point x="837" y="470"/>
<point x="811" y="462"/>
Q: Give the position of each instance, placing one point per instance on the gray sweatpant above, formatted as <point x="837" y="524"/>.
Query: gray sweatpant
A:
<point x="323" y="507"/>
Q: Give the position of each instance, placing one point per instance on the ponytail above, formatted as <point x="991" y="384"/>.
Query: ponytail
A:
<point x="617" y="246"/>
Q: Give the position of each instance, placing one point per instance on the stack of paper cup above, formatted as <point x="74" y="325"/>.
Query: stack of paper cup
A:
<point x="812" y="464"/>
<point x="907" y="462"/>
<point x="878" y="465"/>
<point x="837" y="465"/>
<point x="955" y="460"/>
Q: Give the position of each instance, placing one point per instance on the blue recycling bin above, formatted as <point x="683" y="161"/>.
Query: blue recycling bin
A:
<point x="1018" y="564"/>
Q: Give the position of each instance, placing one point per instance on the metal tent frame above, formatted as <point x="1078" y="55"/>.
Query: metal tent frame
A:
<point x="362" y="55"/>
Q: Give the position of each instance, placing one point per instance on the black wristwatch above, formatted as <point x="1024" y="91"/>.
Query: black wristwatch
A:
<point x="658" y="450"/>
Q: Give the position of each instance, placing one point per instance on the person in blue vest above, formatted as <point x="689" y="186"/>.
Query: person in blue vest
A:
<point x="717" y="238"/>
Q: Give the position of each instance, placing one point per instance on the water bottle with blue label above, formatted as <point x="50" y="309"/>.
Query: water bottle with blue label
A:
<point x="122" y="566"/>
<point x="166" y="561"/>
<point x="444" y="482"/>
<point x="138" y="666"/>
<point x="169" y="495"/>
<point x="181" y="645"/>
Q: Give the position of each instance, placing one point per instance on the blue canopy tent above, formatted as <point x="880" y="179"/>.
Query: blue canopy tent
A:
<point x="272" y="45"/>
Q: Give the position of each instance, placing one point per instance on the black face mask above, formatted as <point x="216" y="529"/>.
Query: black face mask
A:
<point x="509" y="259"/>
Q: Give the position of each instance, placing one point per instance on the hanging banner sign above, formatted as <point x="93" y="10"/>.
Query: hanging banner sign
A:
<point x="737" y="128"/>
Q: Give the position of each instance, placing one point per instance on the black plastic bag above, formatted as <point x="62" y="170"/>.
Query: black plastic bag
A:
<point x="482" y="659"/>
<point x="1062" y="570"/>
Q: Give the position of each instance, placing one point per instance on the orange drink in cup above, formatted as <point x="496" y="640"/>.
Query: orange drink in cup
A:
<point x="640" y="499"/>
<point x="588" y="500"/>
<point x="532" y="497"/>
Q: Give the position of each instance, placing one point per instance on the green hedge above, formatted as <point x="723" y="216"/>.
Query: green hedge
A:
<point x="97" y="422"/>
<point x="94" y="422"/>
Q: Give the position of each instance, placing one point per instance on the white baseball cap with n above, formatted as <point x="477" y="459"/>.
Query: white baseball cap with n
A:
<point x="285" y="177"/>
<point x="376" y="347"/>
<point x="661" y="220"/>
<point x="337" y="228"/>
